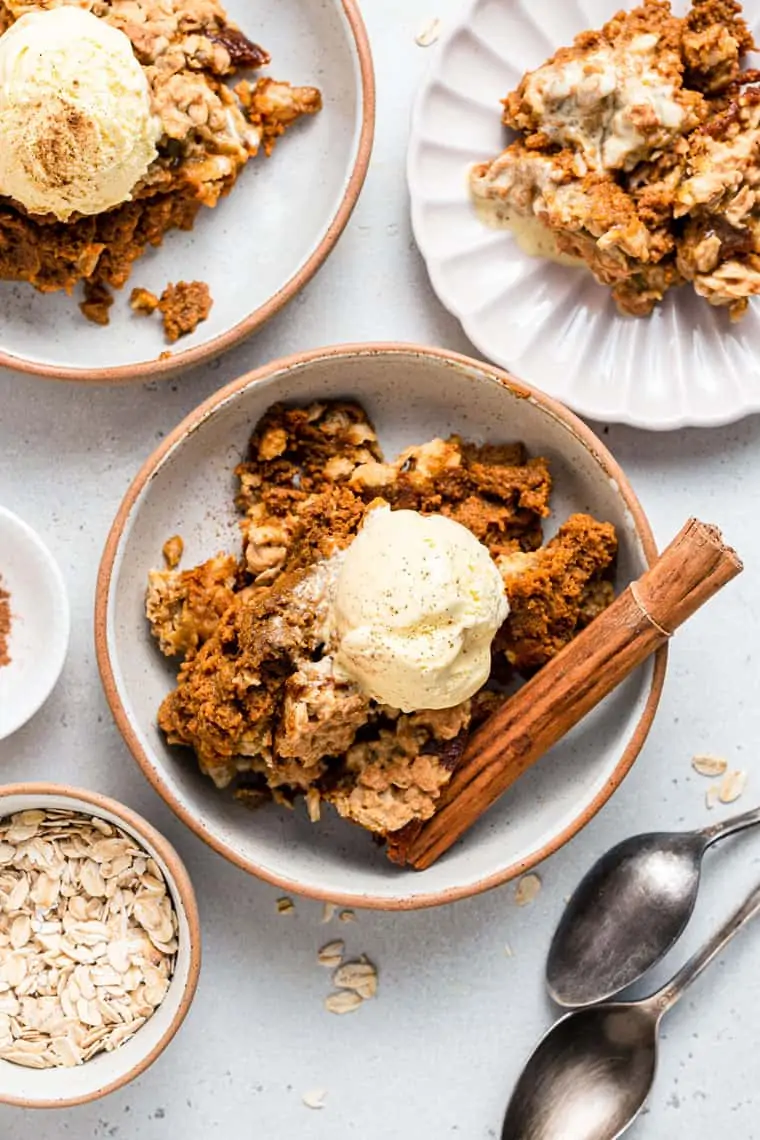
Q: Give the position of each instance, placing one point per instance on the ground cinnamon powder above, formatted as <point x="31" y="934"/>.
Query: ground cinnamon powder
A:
<point x="5" y="625"/>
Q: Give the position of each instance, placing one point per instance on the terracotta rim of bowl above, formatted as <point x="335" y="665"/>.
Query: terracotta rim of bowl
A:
<point x="184" y="887"/>
<point x="588" y="440"/>
<point x="155" y="368"/>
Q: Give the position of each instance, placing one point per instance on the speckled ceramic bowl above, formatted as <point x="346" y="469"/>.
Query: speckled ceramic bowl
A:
<point x="187" y="487"/>
<point x="259" y="246"/>
<point x="39" y="633"/>
<point x="106" y="1072"/>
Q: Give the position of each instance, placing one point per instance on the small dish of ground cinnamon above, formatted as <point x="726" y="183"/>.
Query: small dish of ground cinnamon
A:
<point x="5" y="626"/>
<point x="34" y="622"/>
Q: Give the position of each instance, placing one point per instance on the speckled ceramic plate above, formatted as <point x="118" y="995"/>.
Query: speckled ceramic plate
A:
<point x="260" y="245"/>
<point x="550" y="324"/>
<point x="187" y="487"/>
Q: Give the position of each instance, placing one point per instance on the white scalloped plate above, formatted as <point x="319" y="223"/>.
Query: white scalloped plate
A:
<point x="549" y="324"/>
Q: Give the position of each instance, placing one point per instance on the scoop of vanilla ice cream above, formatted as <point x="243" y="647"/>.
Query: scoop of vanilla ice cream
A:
<point x="76" y="127"/>
<point x="417" y="604"/>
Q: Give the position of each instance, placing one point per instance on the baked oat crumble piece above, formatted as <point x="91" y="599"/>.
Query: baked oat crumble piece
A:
<point x="144" y="302"/>
<point x="613" y="98"/>
<point x="556" y="591"/>
<point x="275" y="106"/>
<point x="172" y="550"/>
<point x="184" y="606"/>
<point x="183" y="307"/>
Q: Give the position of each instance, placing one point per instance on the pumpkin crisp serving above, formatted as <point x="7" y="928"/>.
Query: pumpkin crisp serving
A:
<point x="279" y="693"/>
<point x="638" y="151"/>
<point x="119" y="121"/>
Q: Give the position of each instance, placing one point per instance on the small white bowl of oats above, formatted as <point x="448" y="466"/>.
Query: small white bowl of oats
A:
<point x="99" y="945"/>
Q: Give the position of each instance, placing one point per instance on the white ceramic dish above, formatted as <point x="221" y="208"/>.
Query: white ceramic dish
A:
<point x="62" y="1088"/>
<point x="187" y="487"/>
<point x="248" y="249"/>
<point x="39" y="636"/>
<point x="552" y="325"/>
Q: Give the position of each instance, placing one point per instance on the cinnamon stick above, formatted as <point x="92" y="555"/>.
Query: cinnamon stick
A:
<point x="695" y="566"/>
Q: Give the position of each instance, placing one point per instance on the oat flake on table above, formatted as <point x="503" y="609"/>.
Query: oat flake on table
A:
<point x="732" y="787"/>
<point x="429" y="34"/>
<point x="315" y="1098"/>
<point x="709" y="765"/>
<point x="361" y="977"/>
<point x="343" y="1001"/>
<point x="527" y="889"/>
<point x="331" y="955"/>
<point x="88" y="938"/>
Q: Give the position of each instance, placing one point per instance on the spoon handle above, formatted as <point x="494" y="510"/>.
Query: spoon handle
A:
<point x="730" y="826"/>
<point x="667" y="997"/>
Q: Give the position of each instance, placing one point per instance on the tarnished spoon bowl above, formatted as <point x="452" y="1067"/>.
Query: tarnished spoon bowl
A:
<point x="629" y="911"/>
<point x="589" y="1077"/>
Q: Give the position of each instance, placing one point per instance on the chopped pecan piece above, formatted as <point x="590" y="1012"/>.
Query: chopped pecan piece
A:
<point x="242" y="51"/>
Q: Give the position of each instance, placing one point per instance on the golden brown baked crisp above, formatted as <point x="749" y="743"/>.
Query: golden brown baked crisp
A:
<point x="396" y="774"/>
<point x="184" y="606"/>
<point x="296" y="476"/>
<point x="258" y="698"/>
<point x="714" y="40"/>
<point x="592" y="98"/>
<point x="719" y="204"/>
<point x="227" y="702"/>
<point x="638" y="150"/>
<point x="189" y="50"/>
<point x="556" y="591"/>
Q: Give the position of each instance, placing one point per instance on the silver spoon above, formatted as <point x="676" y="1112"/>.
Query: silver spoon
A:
<point x="629" y="910"/>
<point x="591" y="1074"/>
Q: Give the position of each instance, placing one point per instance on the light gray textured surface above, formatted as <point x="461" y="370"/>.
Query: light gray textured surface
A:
<point x="437" y="1053"/>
